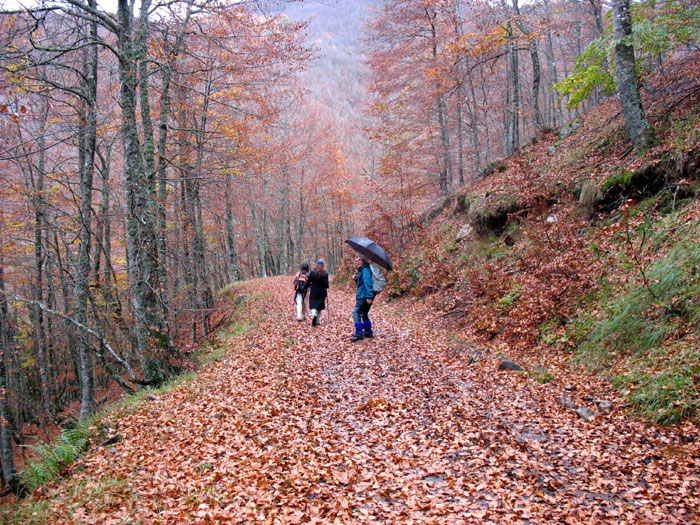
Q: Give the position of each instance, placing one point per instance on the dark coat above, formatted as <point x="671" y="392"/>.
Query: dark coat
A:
<point x="365" y="285"/>
<point x="318" y="286"/>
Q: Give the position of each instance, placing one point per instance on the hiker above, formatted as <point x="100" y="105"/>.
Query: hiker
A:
<point x="301" y="286"/>
<point x="318" y="282"/>
<point x="364" y="297"/>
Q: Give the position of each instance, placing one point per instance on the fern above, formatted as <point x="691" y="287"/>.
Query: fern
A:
<point x="52" y="459"/>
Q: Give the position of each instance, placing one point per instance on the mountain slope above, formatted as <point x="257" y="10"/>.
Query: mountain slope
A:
<point x="576" y="250"/>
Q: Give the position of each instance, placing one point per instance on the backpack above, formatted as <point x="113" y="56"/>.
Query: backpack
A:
<point x="378" y="279"/>
<point x="301" y="282"/>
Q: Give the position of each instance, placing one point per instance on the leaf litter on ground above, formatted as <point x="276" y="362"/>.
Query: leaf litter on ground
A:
<point x="296" y="424"/>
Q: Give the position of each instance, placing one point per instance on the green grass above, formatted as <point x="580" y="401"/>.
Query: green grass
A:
<point x="541" y="374"/>
<point x="27" y="513"/>
<point x="506" y="303"/>
<point x="622" y="178"/>
<point x="84" y="493"/>
<point x="641" y="319"/>
<point x="645" y="326"/>
<point x="665" y="385"/>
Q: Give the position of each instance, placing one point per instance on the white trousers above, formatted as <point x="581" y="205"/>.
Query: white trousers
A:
<point x="301" y="307"/>
<point x="317" y="314"/>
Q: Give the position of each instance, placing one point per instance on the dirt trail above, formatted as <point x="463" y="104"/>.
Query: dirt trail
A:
<point x="297" y="424"/>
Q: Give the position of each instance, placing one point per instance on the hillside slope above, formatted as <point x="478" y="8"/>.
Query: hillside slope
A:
<point x="293" y="424"/>
<point x="577" y="250"/>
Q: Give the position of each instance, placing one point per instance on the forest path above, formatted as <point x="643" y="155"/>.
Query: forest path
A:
<point x="297" y="424"/>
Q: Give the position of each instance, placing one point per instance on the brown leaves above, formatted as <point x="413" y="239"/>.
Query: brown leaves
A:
<point x="399" y="429"/>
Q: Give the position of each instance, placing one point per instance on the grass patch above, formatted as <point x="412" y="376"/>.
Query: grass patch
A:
<point x="27" y="513"/>
<point x="53" y="458"/>
<point x="237" y="329"/>
<point x="651" y="327"/>
<point x="641" y="319"/>
<point x="665" y="385"/>
<point x="88" y="494"/>
<point x="492" y="248"/>
<point x="506" y="303"/>
<point x="541" y="374"/>
<point x="622" y="178"/>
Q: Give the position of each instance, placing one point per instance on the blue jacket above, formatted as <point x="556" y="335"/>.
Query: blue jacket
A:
<point x="365" y="285"/>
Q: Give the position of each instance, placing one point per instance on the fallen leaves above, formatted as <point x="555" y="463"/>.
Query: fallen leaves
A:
<point x="397" y="429"/>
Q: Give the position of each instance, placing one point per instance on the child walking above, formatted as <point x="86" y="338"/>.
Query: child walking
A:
<point x="301" y="285"/>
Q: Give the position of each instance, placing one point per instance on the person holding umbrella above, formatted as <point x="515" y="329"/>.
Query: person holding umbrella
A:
<point x="364" y="299"/>
<point x="369" y="280"/>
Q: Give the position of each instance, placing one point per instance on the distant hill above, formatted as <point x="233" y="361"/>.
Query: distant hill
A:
<point x="335" y="29"/>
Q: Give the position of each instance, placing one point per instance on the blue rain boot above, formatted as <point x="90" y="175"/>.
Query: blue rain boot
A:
<point x="368" y="329"/>
<point x="358" y="332"/>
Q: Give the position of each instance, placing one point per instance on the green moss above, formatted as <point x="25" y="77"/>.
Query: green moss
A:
<point x="492" y="210"/>
<point x="622" y="178"/>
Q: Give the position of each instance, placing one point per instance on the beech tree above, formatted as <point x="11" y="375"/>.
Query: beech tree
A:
<point x="638" y="127"/>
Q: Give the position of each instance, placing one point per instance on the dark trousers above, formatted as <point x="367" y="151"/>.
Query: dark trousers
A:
<point x="361" y="311"/>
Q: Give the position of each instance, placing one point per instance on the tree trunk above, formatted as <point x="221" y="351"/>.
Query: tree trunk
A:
<point x="514" y="140"/>
<point x="166" y="79"/>
<point x="199" y="247"/>
<point x="7" y="459"/>
<point x="536" y="69"/>
<point x="597" y="9"/>
<point x="638" y="127"/>
<point x="39" y="257"/>
<point x="86" y="171"/>
<point x="141" y="219"/>
<point x="234" y="274"/>
<point x="446" y="170"/>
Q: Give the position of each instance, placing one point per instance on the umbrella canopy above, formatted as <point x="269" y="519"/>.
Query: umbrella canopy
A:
<point x="371" y="251"/>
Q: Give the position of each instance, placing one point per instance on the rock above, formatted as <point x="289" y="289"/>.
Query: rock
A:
<point x="151" y="397"/>
<point x="240" y="299"/>
<point x="112" y="440"/>
<point x="588" y="397"/>
<point x="604" y="404"/>
<point x="585" y="413"/>
<point x="569" y="129"/>
<point x="464" y="232"/>
<point x="505" y="364"/>
<point x="569" y="387"/>
<point x="552" y="218"/>
<point x="564" y="400"/>
<point x="551" y="150"/>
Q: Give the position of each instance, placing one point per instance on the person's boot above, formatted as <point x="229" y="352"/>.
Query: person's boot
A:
<point x="368" y="329"/>
<point x="314" y="318"/>
<point x="358" y="332"/>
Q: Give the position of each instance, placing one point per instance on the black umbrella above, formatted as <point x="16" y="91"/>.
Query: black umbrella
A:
<point x="371" y="250"/>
